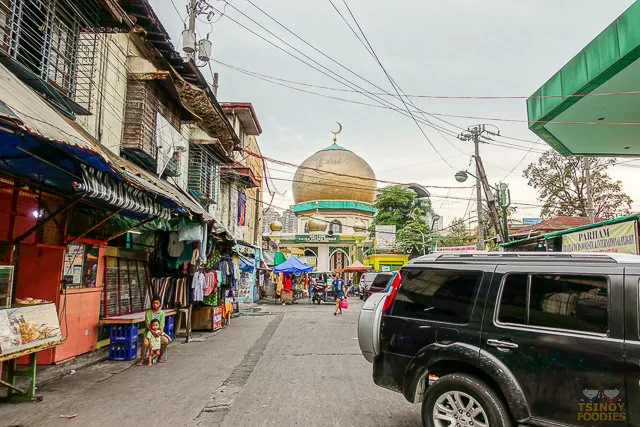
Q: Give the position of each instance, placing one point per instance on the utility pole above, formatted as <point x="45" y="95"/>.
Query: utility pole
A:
<point x="476" y="143"/>
<point x="505" y="202"/>
<point x="193" y="13"/>
<point x="491" y="200"/>
<point x="475" y="133"/>
<point x="587" y="172"/>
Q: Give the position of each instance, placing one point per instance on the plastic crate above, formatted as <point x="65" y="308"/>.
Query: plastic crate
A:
<point x="169" y="327"/>
<point x="123" y="350"/>
<point x="124" y="333"/>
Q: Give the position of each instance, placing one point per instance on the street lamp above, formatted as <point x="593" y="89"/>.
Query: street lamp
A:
<point x="505" y="199"/>
<point x="424" y="250"/>
<point x="434" y="219"/>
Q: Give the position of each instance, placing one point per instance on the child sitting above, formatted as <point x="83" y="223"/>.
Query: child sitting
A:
<point x="154" y="342"/>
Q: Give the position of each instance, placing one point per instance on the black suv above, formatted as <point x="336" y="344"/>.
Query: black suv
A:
<point x="502" y="339"/>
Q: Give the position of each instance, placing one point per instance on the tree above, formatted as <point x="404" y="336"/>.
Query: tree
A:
<point x="457" y="234"/>
<point x="562" y="186"/>
<point x="397" y="205"/>
<point x="414" y="238"/>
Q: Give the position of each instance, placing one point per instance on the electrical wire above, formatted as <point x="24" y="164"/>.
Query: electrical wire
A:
<point x="329" y="73"/>
<point x="469" y="97"/>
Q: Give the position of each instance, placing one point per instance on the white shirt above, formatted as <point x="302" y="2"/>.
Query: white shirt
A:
<point x="198" y="284"/>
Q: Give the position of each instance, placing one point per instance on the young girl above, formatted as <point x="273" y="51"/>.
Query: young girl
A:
<point x="153" y="337"/>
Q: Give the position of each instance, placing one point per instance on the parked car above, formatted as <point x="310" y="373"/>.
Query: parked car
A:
<point x="365" y="282"/>
<point x="505" y="339"/>
<point x="379" y="283"/>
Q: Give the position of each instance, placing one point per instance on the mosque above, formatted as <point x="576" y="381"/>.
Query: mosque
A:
<point x="334" y="191"/>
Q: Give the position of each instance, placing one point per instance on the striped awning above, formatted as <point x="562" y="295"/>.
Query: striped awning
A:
<point x="100" y="186"/>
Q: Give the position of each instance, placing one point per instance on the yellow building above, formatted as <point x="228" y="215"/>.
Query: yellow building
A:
<point x="386" y="262"/>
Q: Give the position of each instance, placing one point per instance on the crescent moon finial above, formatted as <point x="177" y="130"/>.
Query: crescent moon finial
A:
<point x="335" y="134"/>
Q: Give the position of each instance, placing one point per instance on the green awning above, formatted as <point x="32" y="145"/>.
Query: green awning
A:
<point x="594" y="225"/>
<point x="571" y="230"/>
<point x="575" y="124"/>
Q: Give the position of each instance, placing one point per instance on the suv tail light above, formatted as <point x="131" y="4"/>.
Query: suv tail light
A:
<point x="388" y="299"/>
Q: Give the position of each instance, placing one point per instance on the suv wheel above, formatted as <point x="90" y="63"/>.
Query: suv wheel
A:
<point x="459" y="400"/>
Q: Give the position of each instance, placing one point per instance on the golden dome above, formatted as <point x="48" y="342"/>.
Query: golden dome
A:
<point x="310" y="185"/>
<point x="275" y="226"/>
<point x="317" y="224"/>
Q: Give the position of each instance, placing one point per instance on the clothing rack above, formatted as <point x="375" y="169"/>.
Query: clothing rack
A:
<point x="173" y="291"/>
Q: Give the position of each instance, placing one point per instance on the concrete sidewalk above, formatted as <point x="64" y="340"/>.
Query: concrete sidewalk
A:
<point x="121" y="394"/>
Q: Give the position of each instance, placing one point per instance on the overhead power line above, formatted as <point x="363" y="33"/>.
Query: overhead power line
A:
<point x="329" y="73"/>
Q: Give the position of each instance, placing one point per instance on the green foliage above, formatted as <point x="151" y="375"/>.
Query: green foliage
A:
<point x="457" y="234"/>
<point x="562" y="187"/>
<point x="397" y="205"/>
<point x="411" y="241"/>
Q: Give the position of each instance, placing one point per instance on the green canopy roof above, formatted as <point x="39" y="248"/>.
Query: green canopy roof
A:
<point x="571" y="230"/>
<point x="598" y="123"/>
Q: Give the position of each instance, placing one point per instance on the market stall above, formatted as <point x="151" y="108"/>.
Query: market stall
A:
<point x="24" y="331"/>
<point x="288" y="272"/>
<point x="355" y="270"/>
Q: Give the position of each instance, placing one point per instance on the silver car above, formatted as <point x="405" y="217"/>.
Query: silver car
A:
<point x="365" y="282"/>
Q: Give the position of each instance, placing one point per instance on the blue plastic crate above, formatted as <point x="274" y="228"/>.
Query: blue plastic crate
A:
<point x="123" y="350"/>
<point x="169" y="327"/>
<point x="124" y="333"/>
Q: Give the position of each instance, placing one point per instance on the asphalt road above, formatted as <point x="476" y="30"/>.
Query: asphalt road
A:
<point x="289" y="366"/>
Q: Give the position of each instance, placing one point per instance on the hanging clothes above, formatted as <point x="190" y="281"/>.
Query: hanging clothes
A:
<point x="191" y="233"/>
<point x="174" y="246"/>
<point x="211" y="283"/>
<point x="288" y="282"/>
<point x="198" y="284"/>
<point x="279" y="284"/>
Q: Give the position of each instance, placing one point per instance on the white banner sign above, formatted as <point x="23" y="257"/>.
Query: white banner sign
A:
<point x="385" y="236"/>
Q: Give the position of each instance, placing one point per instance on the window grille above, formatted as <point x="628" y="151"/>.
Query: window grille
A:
<point x="204" y="173"/>
<point x="126" y="286"/>
<point x="54" y="39"/>
<point x="145" y="102"/>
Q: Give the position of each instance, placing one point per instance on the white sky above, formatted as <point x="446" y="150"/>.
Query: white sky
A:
<point x="437" y="47"/>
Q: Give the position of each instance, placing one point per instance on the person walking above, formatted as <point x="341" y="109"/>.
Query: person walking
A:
<point x="338" y="291"/>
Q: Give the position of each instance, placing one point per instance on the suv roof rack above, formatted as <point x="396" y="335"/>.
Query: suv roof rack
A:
<point x="481" y="256"/>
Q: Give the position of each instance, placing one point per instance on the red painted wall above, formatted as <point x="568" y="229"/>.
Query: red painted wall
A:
<point x="38" y="276"/>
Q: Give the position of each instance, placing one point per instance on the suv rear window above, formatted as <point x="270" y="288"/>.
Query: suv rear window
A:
<point x="440" y="295"/>
<point x="573" y="302"/>
<point x="381" y="280"/>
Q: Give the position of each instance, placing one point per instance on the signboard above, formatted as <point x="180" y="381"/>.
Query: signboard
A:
<point x="621" y="238"/>
<point x="22" y="328"/>
<point x="531" y="221"/>
<point x="455" y="248"/>
<point x="309" y="260"/>
<point x="317" y="238"/>
<point x="385" y="236"/>
<point x="217" y="318"/>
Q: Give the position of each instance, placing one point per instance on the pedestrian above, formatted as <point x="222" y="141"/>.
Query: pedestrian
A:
<point x="155" y="335"/>
<point x="155" y="313"/>
<point x="338" y="291"/>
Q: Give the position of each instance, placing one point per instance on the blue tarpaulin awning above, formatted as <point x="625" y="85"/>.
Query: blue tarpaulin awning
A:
<point x="293" y="265"/>
<point x="246" y="265"/>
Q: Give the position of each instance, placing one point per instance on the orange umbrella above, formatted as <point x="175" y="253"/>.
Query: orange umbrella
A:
<point x="356" y="267"/>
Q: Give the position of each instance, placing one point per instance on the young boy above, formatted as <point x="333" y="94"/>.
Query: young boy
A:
<point x="154" y="342"/>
